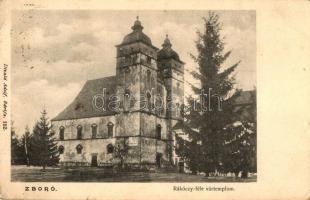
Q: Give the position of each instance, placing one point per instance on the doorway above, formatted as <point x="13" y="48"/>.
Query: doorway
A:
<point x="94" y="162"/>
<point x="181" y="167"/>
<point x="158" y="159"/>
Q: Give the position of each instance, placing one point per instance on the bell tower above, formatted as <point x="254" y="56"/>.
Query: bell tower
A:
<point x="136" y="69"/>
<point x="171" y="69"/>
<point x="136" y="74"/>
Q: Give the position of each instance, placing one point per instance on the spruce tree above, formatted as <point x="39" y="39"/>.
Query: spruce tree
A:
<point x="43" y="148"/>
<point x="205" y="121"/>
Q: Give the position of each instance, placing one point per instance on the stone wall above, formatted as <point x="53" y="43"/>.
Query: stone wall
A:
<point x="70" y="127"/>
<point x="90" y="147"/>
<point x="150" y="147"/>
<point x="127" y="124"/>
<point x="141" y="148"/>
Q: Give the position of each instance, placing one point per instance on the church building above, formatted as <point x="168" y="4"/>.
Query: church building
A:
<point x="134" y="110"/>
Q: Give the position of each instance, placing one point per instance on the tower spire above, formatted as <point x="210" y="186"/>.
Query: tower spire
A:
<point x="137" y="25"/>
<point x="167" y="42"/>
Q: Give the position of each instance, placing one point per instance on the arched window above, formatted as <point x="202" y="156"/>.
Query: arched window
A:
<point x="158" y="131"/>
<point x="79" y="148"/>
<point x="149" y="103"/>
<point x="134" y="58"/>
<point x="178" y="87"/>
<point x="148" y="60"/>
<point x="127" y="60"/>
<point x="127" y="74"/>
<point x="110" y="129"/>
<point x="127" y="98"/>
<point x="127" y="77"/>
<point x="79" y="132"/>
<point x="62" y="133"/>
<point x="110" y="148"/>
<point x="61" y="149"/>
<point x="148" y="78"/>
<point x="127" y="92"/>
<point x="94" y="130"/>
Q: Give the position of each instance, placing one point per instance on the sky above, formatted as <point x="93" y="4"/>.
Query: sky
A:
<point x="54" y="52"/>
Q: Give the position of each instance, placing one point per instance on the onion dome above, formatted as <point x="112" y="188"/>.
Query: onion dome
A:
<point x="136" y="35"/>
<point x="167" y="52"/>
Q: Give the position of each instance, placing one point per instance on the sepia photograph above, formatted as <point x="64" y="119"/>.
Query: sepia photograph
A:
<point x="161" y="99"/>
<point x="133" y="96"/>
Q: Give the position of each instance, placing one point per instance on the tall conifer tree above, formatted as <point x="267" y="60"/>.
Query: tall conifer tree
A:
<point x="205" y="121"/>
<point x="43" y="147"/>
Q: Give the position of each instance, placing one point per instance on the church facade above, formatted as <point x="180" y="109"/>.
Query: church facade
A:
<point x="135" y="110"/>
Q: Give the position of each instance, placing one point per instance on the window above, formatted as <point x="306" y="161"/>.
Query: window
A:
<point x="158" y="131"/>
<point x="127" y="92"/>
<point x="79" y="132"/>
<point x="61" y="149"/>
<point x="110" y="129"/>
<point x="135" y="58"/>
<point x="148" y="96"/>
<point x="110" y="148"/>
<point x="127" y="77"/>
<point x="148" y="78"/>
<point x="62" y="133"/>
<point x="94" y="130"/>
<point x="148" y="60"/>
<point x="128" y="60"/>
<point x="127" y="99"/>
<point x="79" y="149"/>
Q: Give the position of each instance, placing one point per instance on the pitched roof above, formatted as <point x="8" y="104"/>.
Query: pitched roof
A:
<point x="82" y="106"/>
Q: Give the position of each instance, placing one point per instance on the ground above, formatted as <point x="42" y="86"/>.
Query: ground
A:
<point x="35" y="174"/>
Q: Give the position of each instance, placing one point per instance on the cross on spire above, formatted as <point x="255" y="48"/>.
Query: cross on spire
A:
<point x="137" y="25"/>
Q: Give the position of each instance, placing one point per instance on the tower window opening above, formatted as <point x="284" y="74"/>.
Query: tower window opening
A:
<point x="149" y="103"/>
<point x="148" y="78"/>
<point x="148" y="60"/>
<point x="158" y="131"/>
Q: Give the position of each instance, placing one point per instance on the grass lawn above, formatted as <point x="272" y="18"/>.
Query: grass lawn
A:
<point x="35" y="174"/>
